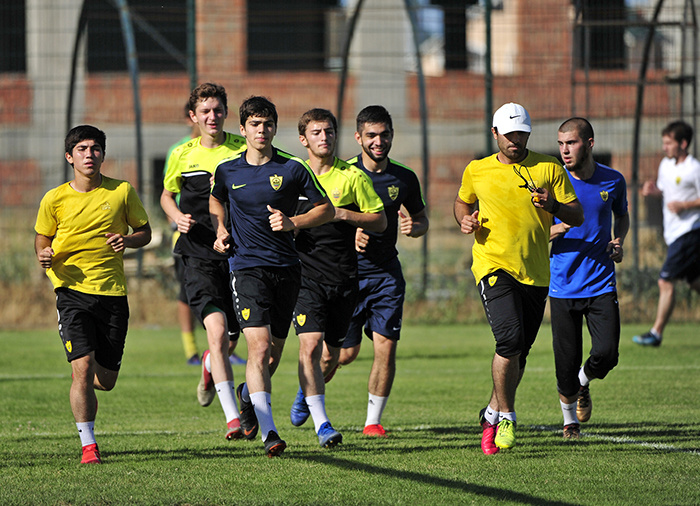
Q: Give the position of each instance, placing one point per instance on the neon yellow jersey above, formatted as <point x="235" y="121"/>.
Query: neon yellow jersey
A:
<point x="78" y="222"/>
<point x="514" y="234"/>
<point x="346" y="185"/>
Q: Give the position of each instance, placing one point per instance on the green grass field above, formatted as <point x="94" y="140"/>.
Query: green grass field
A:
<point x="642" y="445"/>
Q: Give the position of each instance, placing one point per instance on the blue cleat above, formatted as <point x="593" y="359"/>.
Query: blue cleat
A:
<point x="647" y="339"/>
<point x="300" y="410"/>
<point x="328" y="437"/>
<point x="236" y="360"/>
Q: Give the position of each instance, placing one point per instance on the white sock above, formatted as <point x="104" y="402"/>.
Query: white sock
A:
<point x="226" y="391"/>
<point x="87" y="433"/>
<point x="375" y="408"/>
<point x="317" y="408"/>
<point x="263" y="411"/>
<point x="491" y="415"/>
<point x="582" y="378"/>
<point x="207" y="363"/>
<point x="569" y="412"/>
<point x="656" y="334"/>
<point x="507" y="416"/>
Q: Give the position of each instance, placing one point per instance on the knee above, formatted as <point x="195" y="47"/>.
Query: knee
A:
<point x="348" y="355"/>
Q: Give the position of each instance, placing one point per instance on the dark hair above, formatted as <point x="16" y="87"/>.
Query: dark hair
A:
<point x="316" y="115"/>
<point x="581" y="125"/>
<point x="84" y="133"/>
<point x="257" y="106"/>
<point x="374" y="114"/>
<point x="679" y="130"/>
<point x="207" y="90"/>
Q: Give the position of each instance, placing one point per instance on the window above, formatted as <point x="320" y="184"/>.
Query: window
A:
<point x="600" y="47"/>
<point x="13" y="47"/>
<point x="159" y="30"/>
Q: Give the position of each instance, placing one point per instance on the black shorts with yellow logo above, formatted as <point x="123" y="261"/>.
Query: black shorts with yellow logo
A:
<point x="93" y="323"/>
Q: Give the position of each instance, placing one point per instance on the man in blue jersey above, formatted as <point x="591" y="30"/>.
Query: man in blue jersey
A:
<point x="379" y="309"/>
<point x="185" y="200"/>
<point x="329" y="284"/>
<point x="583" y="274"/>
<point x="262" y="187"/>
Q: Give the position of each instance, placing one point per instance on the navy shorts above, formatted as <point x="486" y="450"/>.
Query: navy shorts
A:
<point x="514" y="311"/>
<point x="207" y="283"/>
<point x="325" y="308"/>
<point x="266" y="296"/>
<point x="379" y="308"/>
<point x="683" y="258"/>
<point x="93" y="323"/>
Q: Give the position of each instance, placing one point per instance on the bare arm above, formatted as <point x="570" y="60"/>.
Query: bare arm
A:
<point x="414" y="225"/>
<point x="137" y="239"/>
<point x="183" y="221"/>
<point x="44" y="251"/>
<point x="620" y="229"/>
<point x="467" y="216"/>
<point x="557" y="230"/>
<point x="374" y="222"/>
<point x="679" y="206"/>
<point x="322" y="212"/>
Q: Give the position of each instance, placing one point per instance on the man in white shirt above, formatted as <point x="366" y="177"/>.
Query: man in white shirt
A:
<point x="678" y="182"/>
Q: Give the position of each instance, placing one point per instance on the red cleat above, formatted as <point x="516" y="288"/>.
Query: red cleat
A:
<point x="91" y="455"/>
<point x="375" y="430"/>
<point x="234" y="430"/>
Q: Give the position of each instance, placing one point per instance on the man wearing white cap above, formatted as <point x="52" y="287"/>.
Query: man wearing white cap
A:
<point x="507" y="201"/>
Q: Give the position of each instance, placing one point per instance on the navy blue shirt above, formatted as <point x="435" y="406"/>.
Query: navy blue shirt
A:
<point x="396" y="185"/>
<point x="249" y="189"/>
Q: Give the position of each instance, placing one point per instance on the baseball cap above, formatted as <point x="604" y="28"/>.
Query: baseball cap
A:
<point x="511" y="117"/>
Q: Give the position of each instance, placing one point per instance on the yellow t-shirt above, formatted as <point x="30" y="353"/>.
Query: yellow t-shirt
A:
<point x="78" y="222"/>
<point x="514" y="234"/>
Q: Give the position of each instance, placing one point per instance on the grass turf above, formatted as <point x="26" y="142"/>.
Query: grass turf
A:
<point x="642" y="445"/>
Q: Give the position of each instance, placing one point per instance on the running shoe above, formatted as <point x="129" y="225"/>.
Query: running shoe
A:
<point x="505" y="436"/>
<point x="488" y="435"/>
<point x="249" y="422"/>
<point x="300" y="410"/>
<point x="236" y="360"/>
<point x="234" y="430"/>
<point x="274" y="446"/>
<point x="205" y="389"/>
<point x="572" y="431"/>
<point x="584" y="405"/>
<point x="194" y="360"/>
<point x="647" y="339"/>
<point x="375" y="430"/>
<point x="91" y="455"/>
<point x="328" y="437"/>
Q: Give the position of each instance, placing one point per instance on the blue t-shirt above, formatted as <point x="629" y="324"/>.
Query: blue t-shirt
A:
<point x="249" y="189"/>
<point x="396" y="185"/>
<point x="580" y="266"/>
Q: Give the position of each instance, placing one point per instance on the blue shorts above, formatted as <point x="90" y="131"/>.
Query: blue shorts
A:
<point x="93" y="323"/>
<point x="379" y="308"/>
<point x="683" y="258"/>
<point x="325" y="308"/>
<point x="266" y="296"/>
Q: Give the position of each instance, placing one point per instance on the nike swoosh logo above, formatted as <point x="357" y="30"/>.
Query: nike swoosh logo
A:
<point x="248" y="432"/>
<point x="237" y="186"/>
<point x="516" y="116"/>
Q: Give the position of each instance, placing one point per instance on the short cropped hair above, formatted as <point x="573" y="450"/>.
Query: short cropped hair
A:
<point x="257" y="106"/>
<point x="373" y="114"/>
<point x="580" y="125"/>
<point x="316" y="115"/>
<point x="205" y="91"/>
<point x="679" y="130"/>
<point x="85" y="133"/>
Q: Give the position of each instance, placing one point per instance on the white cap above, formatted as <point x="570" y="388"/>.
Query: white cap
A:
<point x="511" y="117"/>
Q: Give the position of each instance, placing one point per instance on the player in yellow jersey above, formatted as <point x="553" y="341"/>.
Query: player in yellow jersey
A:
<point x="206" y="275"/>
<point x="329" y="281"/>
<point x="82" y="230"/>
<point x="507" y="201"/>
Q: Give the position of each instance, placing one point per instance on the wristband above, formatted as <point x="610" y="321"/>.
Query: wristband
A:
<point x="555" y="207"/>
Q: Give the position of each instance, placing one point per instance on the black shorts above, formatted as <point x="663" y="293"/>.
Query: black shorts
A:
<point x="325" y="308"/>
<point x="514" y="311"/>
<point x="266" y="296"/>
<point x="207" y="283"/>
<point x="682" y="258"/>
<point x="179" y="266"/>
<point x="93" y="323"/>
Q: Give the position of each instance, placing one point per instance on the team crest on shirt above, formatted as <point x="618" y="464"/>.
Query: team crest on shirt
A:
<point x="393" y="192"/>
<point x="106" y="206"/>
<point x="301" y="319"/>
<point x="492" y="280"/>
<point x="245" y="313"/>
<point x="276" y="182"/>
<point x="335" y="194"/>
<point x="678" y="180"/>
<point x="604" y="195"/>
<point x="69" y="346"/>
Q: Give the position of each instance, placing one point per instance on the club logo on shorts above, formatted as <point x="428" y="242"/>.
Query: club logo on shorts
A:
<point x="69" y="346"/>
<point x="604" y="195"/>
<point x="245" y="313"/>
<point x="393" y="192"/>
<point x="301" y="319"/>
<point x="276" y="182"/>
<point x="492" y="280"/>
